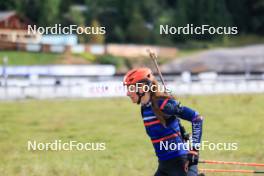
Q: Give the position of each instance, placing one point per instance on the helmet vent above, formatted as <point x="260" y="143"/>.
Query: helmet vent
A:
<point x="132" y="73"/>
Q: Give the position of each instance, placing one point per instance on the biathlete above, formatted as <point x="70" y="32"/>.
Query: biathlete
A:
<point x="160" y="113"/>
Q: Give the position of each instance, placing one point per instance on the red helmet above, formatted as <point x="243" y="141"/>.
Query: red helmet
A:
<point x="138" y="75"/>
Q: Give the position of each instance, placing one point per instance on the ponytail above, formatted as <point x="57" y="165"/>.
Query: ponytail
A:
<point x="157" y="95"/>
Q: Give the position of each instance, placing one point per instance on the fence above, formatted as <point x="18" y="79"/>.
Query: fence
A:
<point x="116" y="89"/>
<point x="132" y="51"/>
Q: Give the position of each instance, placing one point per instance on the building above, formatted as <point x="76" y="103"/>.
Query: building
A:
<point x="13" y="29"/>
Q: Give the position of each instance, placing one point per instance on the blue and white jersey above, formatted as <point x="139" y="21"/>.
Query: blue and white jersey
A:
<point x="170" y="134"/>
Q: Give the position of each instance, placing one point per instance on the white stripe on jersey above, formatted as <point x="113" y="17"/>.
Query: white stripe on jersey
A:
<point x="149" y="118"/>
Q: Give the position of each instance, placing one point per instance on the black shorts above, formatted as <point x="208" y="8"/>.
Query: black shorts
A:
<point x="176" y="167"/>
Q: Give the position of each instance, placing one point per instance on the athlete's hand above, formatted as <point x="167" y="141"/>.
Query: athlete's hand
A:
<point x="193" y="157"/>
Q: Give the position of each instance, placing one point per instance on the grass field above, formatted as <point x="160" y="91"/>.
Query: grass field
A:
<point x="228" y="118"/>
<point x="29" y="58"/>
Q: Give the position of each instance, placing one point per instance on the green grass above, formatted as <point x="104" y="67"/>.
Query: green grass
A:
<point x="29" y="58"/>
<point x="228" y="118"/>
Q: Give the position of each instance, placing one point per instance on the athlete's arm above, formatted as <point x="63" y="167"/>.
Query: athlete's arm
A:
<point x="173" y="108"/>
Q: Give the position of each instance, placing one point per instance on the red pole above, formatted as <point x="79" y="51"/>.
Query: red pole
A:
<point x="231" y="163"/>
<point x="233" y="171"/>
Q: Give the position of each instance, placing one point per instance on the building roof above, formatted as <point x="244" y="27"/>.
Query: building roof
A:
<point x="240" y="59"/>
<point x="6" y="14"/>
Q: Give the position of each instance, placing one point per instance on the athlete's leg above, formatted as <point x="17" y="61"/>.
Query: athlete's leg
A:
<point x="193" y="170"/>
<point x="159" y="172"/>
<point x="175" y="167"/>
<point x="161" y="169"/>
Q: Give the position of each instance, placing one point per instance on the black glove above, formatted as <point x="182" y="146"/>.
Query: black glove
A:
<point x="193" y="157"/>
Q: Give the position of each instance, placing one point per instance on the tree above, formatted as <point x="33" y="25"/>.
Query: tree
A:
<point x="256" y="18"/>
<point x="49" y="12"/>
<point x="8" y="5"/>
<point x="96" y="38"/>
<point x="137" y="31"/>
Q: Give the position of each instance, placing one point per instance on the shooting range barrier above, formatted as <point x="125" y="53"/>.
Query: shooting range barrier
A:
<point x="116" y="89"/>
